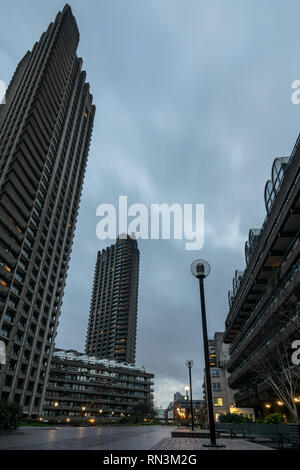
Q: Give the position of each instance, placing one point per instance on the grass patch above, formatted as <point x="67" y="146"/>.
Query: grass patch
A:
<point x="35" y="424"/>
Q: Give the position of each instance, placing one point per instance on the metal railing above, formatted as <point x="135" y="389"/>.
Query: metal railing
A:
<point x="231" y="315"/>
<point x="273" y="298"/>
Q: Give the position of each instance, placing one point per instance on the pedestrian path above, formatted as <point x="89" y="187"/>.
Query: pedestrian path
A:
<point x="181" y="443"/>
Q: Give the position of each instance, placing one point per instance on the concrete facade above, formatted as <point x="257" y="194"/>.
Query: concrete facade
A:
<point x="45" y="133"/>
<point x="222" y="394"/>
<point x="112" y="323"/>
<point x="264" y="303"/>
<point x="82" y="386"/>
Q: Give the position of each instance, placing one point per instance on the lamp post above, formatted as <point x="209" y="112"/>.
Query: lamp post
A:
<point x="186" y="388"/>
<point x="190" y="364"/>
<point x="178" y="416"/>
<point x="201" y="269"/>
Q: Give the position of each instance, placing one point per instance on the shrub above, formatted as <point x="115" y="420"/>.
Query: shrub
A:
<point x="274" y="418"/>
<point x="259" y="421"/>
<point x="10" y="415"/>
<point x="234" y="418"/>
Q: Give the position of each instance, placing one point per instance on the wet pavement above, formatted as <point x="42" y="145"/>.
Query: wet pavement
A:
<point x="83" y="438"/>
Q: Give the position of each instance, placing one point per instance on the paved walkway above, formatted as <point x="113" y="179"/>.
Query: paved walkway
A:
<point x="83" y="438"/>
<point x="181" y="443"/>
<point x="112" y="438"/>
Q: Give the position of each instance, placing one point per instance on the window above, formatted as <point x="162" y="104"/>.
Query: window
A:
<point x="217" y="387"/>
<point x="215" y="373"/>
<point x="218" y="401"/>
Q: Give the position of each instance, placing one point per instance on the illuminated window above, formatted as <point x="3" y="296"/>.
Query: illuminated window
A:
<point x="218" y="402"/>
<point x="14" y="222"/>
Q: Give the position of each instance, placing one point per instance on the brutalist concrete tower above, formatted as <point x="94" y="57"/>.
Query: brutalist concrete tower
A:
<point x="45" y="132"/>
<point x="113" y="314"/>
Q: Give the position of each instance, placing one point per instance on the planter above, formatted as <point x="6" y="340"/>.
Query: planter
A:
<point x="294" y="434"/>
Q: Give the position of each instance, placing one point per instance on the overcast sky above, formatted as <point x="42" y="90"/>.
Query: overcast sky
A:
<point x="193" y="104"/>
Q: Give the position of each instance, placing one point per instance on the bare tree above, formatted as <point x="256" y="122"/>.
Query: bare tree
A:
<point x="281" y="375"/>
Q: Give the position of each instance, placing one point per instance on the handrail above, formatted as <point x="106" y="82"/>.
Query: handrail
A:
<point x="232" y="314"/>
<point x="269" y="338"/>
<point x="286" y="255"/>
<point x="286" y="279"/>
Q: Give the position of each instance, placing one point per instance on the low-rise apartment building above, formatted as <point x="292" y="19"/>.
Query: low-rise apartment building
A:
<point x="83" y="386"/>
<point x="222" y="394"/>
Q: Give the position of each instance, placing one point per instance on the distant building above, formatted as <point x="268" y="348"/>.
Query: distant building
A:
<point x="180" y="409"/>
<point x="222" y="395"/>
<point x="84" y="386"/>
<point x="112" y="324"/>
<point x="178" y="396"/>
<point x="161" y="414"/>
<point x="170" y="411"/>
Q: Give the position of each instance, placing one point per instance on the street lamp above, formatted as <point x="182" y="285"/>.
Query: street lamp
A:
<point x="177" y="415"/>
<point x="190" y="364"/>
<point x="186" y="388"/>
<point x="201" y="269"/>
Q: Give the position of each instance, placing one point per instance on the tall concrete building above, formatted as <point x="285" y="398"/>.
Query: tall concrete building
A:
<point x="45" y="131"/>
<point x="111" y="330"/>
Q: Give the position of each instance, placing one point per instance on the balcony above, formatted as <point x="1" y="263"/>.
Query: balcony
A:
<point x="278" y="231"/>
<point x="270" y="306"/>
<point x="247" y="366"/>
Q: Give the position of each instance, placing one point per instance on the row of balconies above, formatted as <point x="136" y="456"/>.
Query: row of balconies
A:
<point x="282" y="292"/>
<point x="259" y="353"/>
<point x="247" y="282"/>
<point x="93" y="401"/>
<point x="102" y="381"/>
<point x="93" y="390"/>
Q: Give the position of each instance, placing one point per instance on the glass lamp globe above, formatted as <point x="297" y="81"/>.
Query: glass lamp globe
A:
<point x="200" y="268"/>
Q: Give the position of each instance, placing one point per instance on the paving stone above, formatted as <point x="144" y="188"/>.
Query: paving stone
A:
<point x="179" y="443"/>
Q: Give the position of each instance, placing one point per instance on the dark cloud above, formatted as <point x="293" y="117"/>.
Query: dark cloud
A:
<point x="193" y="104"/>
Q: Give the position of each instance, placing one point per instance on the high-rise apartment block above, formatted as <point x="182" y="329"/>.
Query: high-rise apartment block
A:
<point x="113" y="314"/>
<point x="45" y="131"/>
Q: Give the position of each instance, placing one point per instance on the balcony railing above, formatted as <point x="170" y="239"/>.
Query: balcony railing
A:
<point x="286" y="256"/>
<point x="291" y="274"/>
<point x="272" y="338"/>
<point x="235" y="310"/>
